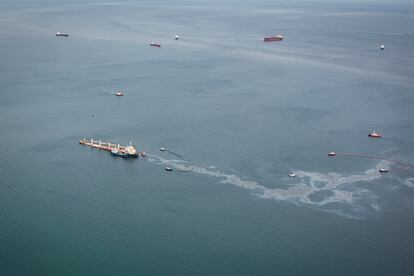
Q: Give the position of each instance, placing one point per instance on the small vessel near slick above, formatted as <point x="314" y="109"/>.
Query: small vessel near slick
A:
<point x="115" y="149"/>
<point x="62" y="34"/>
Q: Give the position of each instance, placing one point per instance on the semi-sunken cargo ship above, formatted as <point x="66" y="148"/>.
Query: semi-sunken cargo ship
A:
<point x="273" y="38"/>
<point x="115" y="149"/>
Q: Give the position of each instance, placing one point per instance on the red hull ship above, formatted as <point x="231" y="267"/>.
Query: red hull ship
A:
<point x="273" y="38"/>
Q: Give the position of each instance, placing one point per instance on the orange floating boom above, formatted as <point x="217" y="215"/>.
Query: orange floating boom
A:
<point x="367" y="156"/>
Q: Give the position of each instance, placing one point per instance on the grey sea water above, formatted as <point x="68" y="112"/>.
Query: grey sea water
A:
<point x="239" y="115"/>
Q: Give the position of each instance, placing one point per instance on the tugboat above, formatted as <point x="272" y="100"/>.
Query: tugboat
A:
<point x="62" y="34"/>
<point x="374" y="135"/>
<point x="332" y="153"/>
<point x="119" y="93"/>
<point x="153" y="44"/>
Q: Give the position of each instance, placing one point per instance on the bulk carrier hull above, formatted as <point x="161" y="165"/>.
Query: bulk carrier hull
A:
<point x="125" y="151"/>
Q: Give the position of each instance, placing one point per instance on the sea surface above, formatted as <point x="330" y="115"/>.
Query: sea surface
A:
<point x="236" y="116"/>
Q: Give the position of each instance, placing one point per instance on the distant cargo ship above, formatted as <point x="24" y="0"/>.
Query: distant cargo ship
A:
<point x="273" y="38"/>
<point x="115" y="149"/>
<point x="62" y="34"/>
<point x="153" y="44"/>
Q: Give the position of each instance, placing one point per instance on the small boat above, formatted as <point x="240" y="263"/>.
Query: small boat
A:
<point x="143" y="154"/>
<point x="162" y="149"/>
<point x="374" y="135"/>
<point x="292" y="175"/>
<point x="119" y="93"/>
<point x="382" y="47"/>
<point x="62" y="34"/>
<point x="383" y="170"/>
<point x="115" y="152"/>
<point x="168" y="169"/>
<point x="332" y="153"/>
<point x="273" y="38"/>
<point x="153" y="44"/>
<point x="176" y="37"/>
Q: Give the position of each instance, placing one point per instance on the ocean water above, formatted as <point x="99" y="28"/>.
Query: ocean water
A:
<point x="237" y="116"/>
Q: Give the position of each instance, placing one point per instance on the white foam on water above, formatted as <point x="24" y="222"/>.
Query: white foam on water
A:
<point x="409" y="182"/>
<point x="335" y="188"/>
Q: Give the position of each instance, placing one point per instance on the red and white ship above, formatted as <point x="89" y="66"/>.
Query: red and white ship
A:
<point x="374" y="135"/>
